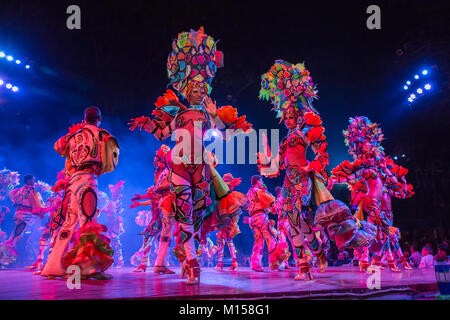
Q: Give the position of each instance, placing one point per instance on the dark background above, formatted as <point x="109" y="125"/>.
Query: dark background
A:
<point x="117" y="61"/>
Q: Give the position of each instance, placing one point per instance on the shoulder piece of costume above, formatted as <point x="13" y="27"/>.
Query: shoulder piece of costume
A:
<point x="288" y="86"/>
<point x="194" y="60"/>
<point x="314" y="133"/>
<point x="229" y="117"/>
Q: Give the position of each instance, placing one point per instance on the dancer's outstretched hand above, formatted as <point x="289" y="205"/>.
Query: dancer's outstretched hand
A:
<point x="134" y="205"/>
<point x="140" y="122"/>
<point x="210" y="106"/>
<point x="136" y="197"/>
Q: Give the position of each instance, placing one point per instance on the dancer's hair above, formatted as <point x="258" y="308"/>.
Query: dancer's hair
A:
<point x="27" y="178"/>
<point x="92" y="114"/>
<point x="255" y="179"/>
<point x="278" y="189"/>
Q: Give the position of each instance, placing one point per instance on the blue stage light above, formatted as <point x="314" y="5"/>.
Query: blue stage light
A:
<point x="395" y="158"/>
<point x="412" y="96"/>
<point x="9" y="58"/>
<point x="425" y="72"/>
<point x="419" y="91"/>
<point x="8" y="86"/>
<point x="15" y="89"/>
<point x="18" y="61"/>
<point x="416" y="76"/>
<point x="27" y="66"/>
<point x="405" y="87"/>
<point x="2" y="54"/>
<point x="1" y="82"/>
<point x="408" y="82"/>
<point x="427" y="86"/>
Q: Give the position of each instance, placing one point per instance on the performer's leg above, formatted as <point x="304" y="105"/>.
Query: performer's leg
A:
<point x="81" y="206"/>
<point x="313" y="242"/>
<point x="44" y="242"/>
<point x="117" y="245"/>
<point x="164" y="244"/>
<point x="21" y="220"/>
<point x="275" y="245"/>
<point x="144" y="252"/>
<point x="258" y="246"/>
<point x="234" y="264"/>
<point x="219" y="247"/>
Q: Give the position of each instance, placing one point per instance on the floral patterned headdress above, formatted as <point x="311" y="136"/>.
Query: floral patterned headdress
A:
<point x="363" y="137"/>
<point x="193" y="61"/>
<point x="289" y="87"/>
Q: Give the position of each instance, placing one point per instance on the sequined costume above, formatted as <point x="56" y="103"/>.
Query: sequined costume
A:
<point x="191" y="67"/>
<point x="89" y="152"/>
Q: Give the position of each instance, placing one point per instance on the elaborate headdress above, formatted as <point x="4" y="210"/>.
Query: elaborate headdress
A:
<point x="193" y="60"/>
<point x="8" y="181"/>
<point x="289" y="87"/>
<point x="363" y="135"/>
<point x="116" y="189"/>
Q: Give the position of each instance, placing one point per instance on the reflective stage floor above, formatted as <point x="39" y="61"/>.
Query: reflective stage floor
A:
<point x="344" y="282"/>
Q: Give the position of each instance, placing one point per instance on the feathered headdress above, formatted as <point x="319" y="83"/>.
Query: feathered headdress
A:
<point x="117" y="188"/>
<point x="193" y="60"/>
<point x="289" y="87"/>
<point x="363" y="136"/>
<point x="43" y="188"/>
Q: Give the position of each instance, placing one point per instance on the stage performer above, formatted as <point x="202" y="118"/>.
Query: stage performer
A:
<point x="25" y="199"/>
<point x="227" y="231"/>
<point x="191" y="67"/>
<point x="260" y="204"/>
<point x="89" y="151"/>
<point x="283" y="225"/>
<point x="290" y="89"/>
<point x="3" y="211"/>
<point x="143" y="219"/>
<point x="161" y="223"/>
<point x="52" y="208"/>
<point x="367" y="175"/>
<point x="114" y="210"/>
<point x="386" y="206"/>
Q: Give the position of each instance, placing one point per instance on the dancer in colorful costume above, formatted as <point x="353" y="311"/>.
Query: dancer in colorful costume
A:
<point x="53" y="206"/>
<point x="89" y="151"/>
<point x="394" y="232"/>
<point x="143" y="219"/>
<point x="161" y="223"/>
<point x="191" y="67"/>
<point x="227" y="231"/>
<point x="367" y="176"/>
<point x="114" y="210"/>
<point x="25" y="199"/>
<point x="290" y="89"/>
<point x="260" y="204"/>
<point x="283" y="226"/>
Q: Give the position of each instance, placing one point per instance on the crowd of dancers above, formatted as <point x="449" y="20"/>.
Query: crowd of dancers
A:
<point x="189" y="199"/>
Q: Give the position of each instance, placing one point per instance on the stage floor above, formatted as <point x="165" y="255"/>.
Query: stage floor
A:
<point x="344" y="282"/>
